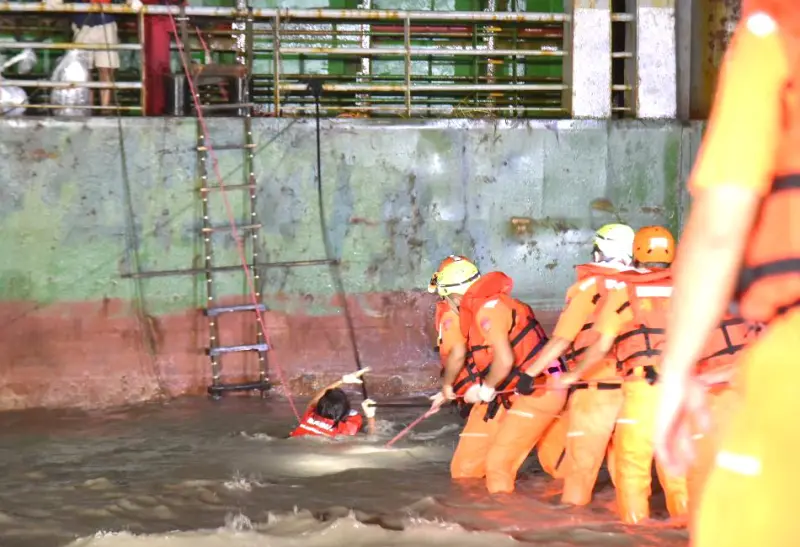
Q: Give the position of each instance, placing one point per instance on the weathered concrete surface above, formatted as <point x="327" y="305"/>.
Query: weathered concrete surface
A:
<point x="398" y="197"/>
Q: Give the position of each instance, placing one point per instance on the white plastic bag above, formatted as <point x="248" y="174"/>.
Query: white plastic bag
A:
<point x="73" y="67"/>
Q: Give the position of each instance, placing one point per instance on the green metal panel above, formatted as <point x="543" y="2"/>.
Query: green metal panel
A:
<point x="442" y="188"/>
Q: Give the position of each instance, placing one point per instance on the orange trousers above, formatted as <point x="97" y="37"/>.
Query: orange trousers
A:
<point x="469" y="459"/>
<point x="551" y="449"/>
<point x="633" y="450"/>
<point x="524" y="425"/>
<point x="749" y="496"/>
<point x="497" y="449"/>
<point x="591" y="415"/>
<point x="722" y="401"/>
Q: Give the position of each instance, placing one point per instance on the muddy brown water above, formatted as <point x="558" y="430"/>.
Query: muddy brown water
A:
<point x="198" y="473"/>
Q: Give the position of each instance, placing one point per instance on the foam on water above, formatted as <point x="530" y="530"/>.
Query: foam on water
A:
<point x="203" y="474"/>
<point x="303" y="530"/>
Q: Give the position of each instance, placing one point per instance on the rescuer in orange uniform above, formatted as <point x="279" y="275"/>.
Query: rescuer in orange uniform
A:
<point x="469" y="459"/>
<point x="594" y="405"/>
<point x="742" y="241"/>
<point x="633" y="318"/>
<point x="448" y="328"/>
<point x="550" y="448"/>
<point x="503" y="337"/>
<point x="448" y="333"/>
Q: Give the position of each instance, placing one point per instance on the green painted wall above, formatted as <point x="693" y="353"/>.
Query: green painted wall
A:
<point x="79" y="201"/>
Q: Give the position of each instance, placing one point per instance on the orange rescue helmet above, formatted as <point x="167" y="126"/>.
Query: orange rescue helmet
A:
<point x="654" y="244"/>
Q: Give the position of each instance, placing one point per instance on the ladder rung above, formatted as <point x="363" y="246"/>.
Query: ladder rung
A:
<point x="233" y="349"/>
<point x="289" y="264"/>
<point x="231" y="268"/>
<point x="213" y="312"/>
<point x="264" y="385"/>
<point x="226" y="227"/>
<point x="225" y="106"/>
<point x="227" y="147"/>
<point x="228" y="187"/>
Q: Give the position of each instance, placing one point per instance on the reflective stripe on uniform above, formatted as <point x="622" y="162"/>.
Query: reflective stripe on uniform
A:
<point x="648" y="291"/>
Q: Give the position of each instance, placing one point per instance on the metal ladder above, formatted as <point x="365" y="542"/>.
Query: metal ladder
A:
<point x="202" y="75"/>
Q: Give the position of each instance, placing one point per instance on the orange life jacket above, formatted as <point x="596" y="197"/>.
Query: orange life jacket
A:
<point x="526" y="334"/>
<point x="318" y="426"/>
<point x="589" y="274"/>
<point x="769" y="281"/>
<point x="442" y="308"/>
<point x="730" y="337"/>
<point x="639" y="347"/>
<point x="99" y="1"/>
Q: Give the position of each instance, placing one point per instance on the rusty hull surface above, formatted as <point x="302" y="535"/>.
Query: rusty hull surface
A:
<point x="519" y="196"/>
<point x="97" y="354"/>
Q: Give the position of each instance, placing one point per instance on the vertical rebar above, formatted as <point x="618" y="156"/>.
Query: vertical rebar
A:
<point x="142" y="63"/>
<point x="213" y="332"/>
<point x="276" y="62"/>
<point x="407" y="43"/>
<point x="185" y="50"/>
<point x="365" y="73"/>
<point x="250" y="180"/>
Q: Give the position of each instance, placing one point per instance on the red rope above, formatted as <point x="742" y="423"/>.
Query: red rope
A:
<point x="229" y="210"/>
<point x="202" y="42"/>
<point x="411" y="426"/>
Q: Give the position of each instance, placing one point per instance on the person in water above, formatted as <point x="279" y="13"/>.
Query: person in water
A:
<point x="329" y="413"/>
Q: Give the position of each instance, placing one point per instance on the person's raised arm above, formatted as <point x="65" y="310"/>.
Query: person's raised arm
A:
<point x="368" y="406"/>
<point x="354" y="378"/>
<point x="569" y="325"/>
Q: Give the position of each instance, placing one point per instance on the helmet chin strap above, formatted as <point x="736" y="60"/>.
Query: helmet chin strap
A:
<point x="602" y="259"/>
<point x="449" y="300"/>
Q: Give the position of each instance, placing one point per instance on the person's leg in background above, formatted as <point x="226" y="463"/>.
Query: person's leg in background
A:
<point x="106" y="61"/>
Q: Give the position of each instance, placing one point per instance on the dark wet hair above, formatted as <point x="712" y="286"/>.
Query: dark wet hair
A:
<point x="334" y="405"/>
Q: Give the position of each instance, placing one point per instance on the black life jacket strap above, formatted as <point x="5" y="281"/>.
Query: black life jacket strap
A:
<point x="572" y="353"/>
<point x="650" y="374"/>
<point x="649" y="351"/>
<point x="730" y="348"/>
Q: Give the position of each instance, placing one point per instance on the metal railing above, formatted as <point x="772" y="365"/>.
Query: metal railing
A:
<point x="372" y="62"/>
<point x="53" y="23"/>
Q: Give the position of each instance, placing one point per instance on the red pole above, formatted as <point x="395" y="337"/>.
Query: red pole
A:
<point x="157" y="54"/>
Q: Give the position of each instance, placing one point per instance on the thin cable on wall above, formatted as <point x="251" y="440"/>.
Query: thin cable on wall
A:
<point x="144" y="319"/>
<point x="315" y="87"/>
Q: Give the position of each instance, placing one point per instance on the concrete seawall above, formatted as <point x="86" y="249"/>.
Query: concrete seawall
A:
<point x="84" y="203"/>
